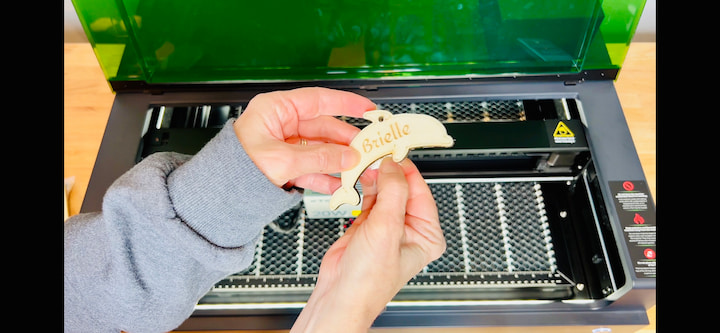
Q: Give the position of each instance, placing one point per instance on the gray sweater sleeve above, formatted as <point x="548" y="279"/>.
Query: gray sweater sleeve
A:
<point x="169" y="229"/>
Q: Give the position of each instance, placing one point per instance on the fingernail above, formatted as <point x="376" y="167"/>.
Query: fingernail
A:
<point x="350" y="158"/>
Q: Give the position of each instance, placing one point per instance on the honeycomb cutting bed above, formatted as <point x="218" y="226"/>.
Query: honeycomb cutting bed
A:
<point x="496" y="231"/>
<point x="458" y="111"/>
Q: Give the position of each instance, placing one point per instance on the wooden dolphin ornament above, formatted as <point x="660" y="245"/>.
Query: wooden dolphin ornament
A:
<point x="388" y="134"/>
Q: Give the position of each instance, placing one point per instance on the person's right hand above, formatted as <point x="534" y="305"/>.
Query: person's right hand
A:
<point x="396" y="235"/>
<point x="273" y="124"/>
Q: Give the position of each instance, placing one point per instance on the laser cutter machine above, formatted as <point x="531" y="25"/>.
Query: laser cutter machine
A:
<point x="542" y="199"/>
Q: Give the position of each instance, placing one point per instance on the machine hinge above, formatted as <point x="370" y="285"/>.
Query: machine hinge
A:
<point x="369" y="88"/>
<point x="574" y="82"/>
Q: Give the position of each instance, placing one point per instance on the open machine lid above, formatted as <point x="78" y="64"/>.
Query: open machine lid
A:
<point x="188" y="41"/>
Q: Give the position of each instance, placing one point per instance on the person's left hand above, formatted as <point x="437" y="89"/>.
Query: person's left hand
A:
<point x="274" y="124"/>
<point x="396" y="235"/>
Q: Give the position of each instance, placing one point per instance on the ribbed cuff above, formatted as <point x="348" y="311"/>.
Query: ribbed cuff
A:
<point x="223" y="196"/>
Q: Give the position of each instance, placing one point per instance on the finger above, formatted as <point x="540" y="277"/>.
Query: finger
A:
<point x="420" y="199"/>
<point x="296" y="140"/>
<point x="368" y="181"/>
<point x="312" y="102"/>
<point x="280" y="112"/>
<point x="422" y="215"/>
<point x="323" y="158"/>
<point x="317" y="182"/>
<point x="391" y="199"/>
<point x="328" y="129"/>
<point x="309" y="103"/>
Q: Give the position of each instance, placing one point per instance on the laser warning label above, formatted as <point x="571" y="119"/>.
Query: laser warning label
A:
<point x="563" y="134"/>
<point x="636" y="212"/>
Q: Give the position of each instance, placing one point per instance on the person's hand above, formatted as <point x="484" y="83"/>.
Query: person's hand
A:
<point x="273" y="126"/>
<point x="396" y="235"/>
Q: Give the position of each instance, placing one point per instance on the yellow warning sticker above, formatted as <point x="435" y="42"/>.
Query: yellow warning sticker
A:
<point x="563" y="134"/>
<point x="563" y="131"/>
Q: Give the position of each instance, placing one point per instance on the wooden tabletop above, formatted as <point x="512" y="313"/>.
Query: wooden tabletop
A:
<point x="88" y="100"/>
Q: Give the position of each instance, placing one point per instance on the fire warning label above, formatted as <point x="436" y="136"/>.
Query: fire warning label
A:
<point x="637" y="217"/>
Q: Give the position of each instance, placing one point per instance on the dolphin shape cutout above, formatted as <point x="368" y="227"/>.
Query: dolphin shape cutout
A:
<point x="388" y="134"/>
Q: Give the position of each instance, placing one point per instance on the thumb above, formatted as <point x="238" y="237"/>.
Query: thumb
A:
<point x="391" y="199"/>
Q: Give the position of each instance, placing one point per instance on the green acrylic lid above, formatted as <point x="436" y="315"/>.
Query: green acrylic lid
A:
<point x="176" y="41"/>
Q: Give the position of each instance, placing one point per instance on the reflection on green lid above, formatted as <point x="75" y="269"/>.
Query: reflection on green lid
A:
<point x="162" y="41"/>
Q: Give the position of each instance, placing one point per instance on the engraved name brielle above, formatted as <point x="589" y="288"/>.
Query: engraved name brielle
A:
<point x="395" y="133"/>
